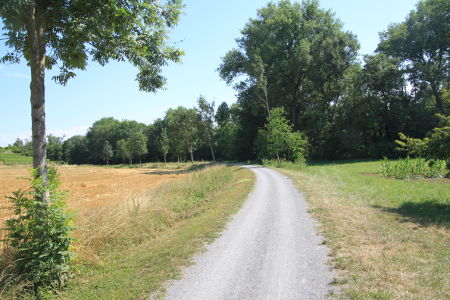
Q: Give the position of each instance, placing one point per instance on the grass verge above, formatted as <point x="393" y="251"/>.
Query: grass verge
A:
<point x="389" y="238"/>
<point x="15" y="159"/>
<point x="129" y="252"/>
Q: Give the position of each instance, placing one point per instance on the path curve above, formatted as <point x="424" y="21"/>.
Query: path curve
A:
<point x="270" y="250"/>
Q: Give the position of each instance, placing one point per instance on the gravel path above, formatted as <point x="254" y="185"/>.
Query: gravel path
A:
<point x="270" y="250"/>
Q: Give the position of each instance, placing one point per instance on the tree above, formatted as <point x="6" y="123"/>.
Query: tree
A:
<point x="55" y="148"/>
<point x="435" y="146"/>
<point x="68" y="33"/>
<point x="75" y="150"/>
<point x="183" y="130"/>
<point x="421" y="42"/>
<point x="136" y="146"/>
<point x="206" y="113"/>
<point x="164" y="143"/>
<point x="222" y="114"/>
<point x="292" y="55"/>
<point x="107" y="152"/>
<point x="122" y="149"/>
<point x="277" y="139"/>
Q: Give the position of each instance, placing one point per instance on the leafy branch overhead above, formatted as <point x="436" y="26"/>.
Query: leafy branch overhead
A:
<point x="76" y="31"/>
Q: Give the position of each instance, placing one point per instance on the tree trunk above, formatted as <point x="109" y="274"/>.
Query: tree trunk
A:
<point x="212" y="152"/>
<point x="192" y="154"/>
<point x="437" y="97"/>
<point x="211" y="147"/>
<point x="278" y="158"/>
<point x="36" y="44"/>
<point x="165" y="156"/>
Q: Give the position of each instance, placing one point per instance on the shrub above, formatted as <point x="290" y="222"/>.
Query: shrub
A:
<point x="39" y="234"/>
<point x="413" y="168"/>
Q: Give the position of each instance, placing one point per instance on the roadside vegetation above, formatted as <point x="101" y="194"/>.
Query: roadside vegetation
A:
<point x="388" y="238"/>
<point x="129" y="248"/>
<point x="9" y="158"/>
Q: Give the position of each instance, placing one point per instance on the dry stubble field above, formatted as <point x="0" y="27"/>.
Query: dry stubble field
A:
<point x="89" y="188"/>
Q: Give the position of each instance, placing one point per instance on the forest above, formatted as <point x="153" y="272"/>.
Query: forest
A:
<point x="298" y="57"/>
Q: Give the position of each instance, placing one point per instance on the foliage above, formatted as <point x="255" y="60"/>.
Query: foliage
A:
<point x="164" y="143"/>
<point x="136" y="146"/>
<point x="421" y="42"/>
<point x="55" y="148"/>
<point x="40" y="234"/>
<point x="75" y="31"/>
<point x="205" y="112"/>
<point x="22" y="147"/>
<point x="413" y="168"/>
<point x="290" y="165"/>
<point x="435" y="146"/>
<point x="14" y="159"/>
<point x="278" y="140"/>
<point x="183" y="125"/>
<point x="107" y="152"/>
<point x="293" y="55"/>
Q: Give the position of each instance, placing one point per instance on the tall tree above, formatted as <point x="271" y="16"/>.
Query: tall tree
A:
<point x="278" y="139"/>
<point x="164" y="143"/>
<point x="137" y="146"/>
<point x="68" y="33"/>
<point x="107" y="152"/>
<point x="122" y="150"/>
<point x="292" y="55"/>
<point x="206" y="113"/>
<point x="222" y="114"/>
<point x="55" y="147"/>
<point x="183" y="130"/>
<point x="422" y="43"/>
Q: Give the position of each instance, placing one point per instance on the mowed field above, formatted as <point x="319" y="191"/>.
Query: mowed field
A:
<point x="88" y="187"/>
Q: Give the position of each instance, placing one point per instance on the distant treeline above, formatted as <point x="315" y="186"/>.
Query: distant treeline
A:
<point x="298" y="57"/>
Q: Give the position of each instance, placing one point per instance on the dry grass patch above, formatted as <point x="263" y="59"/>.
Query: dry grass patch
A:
<point x="149" y="239"/>
<point x="89" y="188"/>
<point x="380" y="250"/>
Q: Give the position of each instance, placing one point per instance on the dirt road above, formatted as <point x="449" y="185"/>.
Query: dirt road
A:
<point x="270" y="250"/>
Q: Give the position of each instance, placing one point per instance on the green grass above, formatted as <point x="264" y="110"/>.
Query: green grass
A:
<point x="389" y="238"/>
<point x="15" y="159"/>
<point x="155" y="236"/>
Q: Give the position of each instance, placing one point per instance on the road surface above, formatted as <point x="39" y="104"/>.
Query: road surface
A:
<point x="270" y="250"/>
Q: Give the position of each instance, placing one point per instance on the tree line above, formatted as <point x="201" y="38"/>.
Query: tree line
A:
<point x="295" y="59"/>
<point x="298" y="56"/>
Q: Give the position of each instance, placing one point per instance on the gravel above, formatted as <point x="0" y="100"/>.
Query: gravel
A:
<point x="270" y="250"/>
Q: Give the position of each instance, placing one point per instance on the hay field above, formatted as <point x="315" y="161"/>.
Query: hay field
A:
<point x="89" y="187"/>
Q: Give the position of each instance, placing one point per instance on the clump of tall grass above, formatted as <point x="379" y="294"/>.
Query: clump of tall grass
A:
<point x="410" y="168"/>
<point x="142" y="217"/>
<point x="284" y="164"/>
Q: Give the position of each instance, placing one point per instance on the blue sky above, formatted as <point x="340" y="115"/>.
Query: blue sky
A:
<point x="206" y="31"/>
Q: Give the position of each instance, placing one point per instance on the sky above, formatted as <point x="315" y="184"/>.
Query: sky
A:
<point x="206" y="31"/>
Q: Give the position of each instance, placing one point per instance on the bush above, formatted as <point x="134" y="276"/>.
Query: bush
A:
<point x="413" y="168"/>
<point x="39" y="234"/>
<point x="299" y="164"/>
<point x="278" y="140"/>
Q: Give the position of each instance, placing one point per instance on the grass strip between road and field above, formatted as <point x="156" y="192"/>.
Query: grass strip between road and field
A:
<point x="157" y="236"/>
<point x="389" y="238"/>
